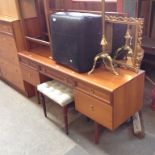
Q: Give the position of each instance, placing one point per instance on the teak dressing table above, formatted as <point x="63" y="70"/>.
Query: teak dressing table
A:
<point x="107" y="99"/>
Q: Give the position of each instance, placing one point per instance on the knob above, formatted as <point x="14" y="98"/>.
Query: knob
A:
<point x="91" y="107"/>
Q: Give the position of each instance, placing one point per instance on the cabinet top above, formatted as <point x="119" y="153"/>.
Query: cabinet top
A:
<point x="100" y="78"/>
<point x="7" y="18"/>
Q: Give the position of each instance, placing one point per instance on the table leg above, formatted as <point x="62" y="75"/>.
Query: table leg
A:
<point x="37" y="94"/>
<point x="97" y="133"/>
<point x="65" y="113"/>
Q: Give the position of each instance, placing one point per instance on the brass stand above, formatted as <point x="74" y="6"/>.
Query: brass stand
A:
<point x="125" y="51"/>
<point x="106" y="58"/>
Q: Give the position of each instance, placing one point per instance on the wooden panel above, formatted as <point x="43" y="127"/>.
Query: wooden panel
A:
<point x="6" y="28"/>
<point x="93" y="108"/>
<point x="53" y="74"/>
<point x="30" y="63"/>
<point x="28" y="8"/>
<point x="144" y="13"/>
<point x="57" y="76"/>
<point x="8" y="8"/>
<point x="128" y="99"/>
<point x="11" y="73"/>
<point x="30" y="75"/>
<point x="92" y="5"/>
<point x="18" y="36"/>
<point x="32" y="27"/>
<point x="153" y="26"/>
<point x="8" y="48"/>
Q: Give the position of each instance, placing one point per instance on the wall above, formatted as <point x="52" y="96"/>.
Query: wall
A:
<point x="130" y="6"/>
<point x="8" y="8"/>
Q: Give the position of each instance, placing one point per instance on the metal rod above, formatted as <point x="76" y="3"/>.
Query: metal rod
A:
<point x="103" y="17"/>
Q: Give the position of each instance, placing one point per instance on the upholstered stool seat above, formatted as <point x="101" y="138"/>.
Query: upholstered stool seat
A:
<point x="57" y="92"/>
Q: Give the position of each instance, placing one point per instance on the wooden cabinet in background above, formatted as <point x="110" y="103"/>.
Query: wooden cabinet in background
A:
<point x="8" y="8"/>
<point x="10" y="43"/>
<point x="147" y="11"/>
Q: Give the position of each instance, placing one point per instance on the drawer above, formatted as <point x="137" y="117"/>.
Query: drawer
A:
<point x="93" y="108"/>
<point x="30" y="75"/>
<point x="95" y="92"/>
<point x="29" y="63"/>
<point x="58" y="76"/>
<point x="11" y="73"/>
<point x="4" y="27"/>
<point x="54" y="74"/>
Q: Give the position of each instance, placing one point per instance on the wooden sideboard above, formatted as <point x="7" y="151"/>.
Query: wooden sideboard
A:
<point x="105" y="98"/>
<point x="11" y="41"/>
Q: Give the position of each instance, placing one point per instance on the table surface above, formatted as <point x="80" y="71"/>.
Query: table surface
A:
<point x="100" y="77"/>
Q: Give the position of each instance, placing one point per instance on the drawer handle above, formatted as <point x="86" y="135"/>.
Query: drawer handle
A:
<point x="91" y="107"/>
<point x="92" y="91"/>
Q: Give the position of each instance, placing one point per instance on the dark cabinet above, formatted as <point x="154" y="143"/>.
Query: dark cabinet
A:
<point x="147" y="11"/>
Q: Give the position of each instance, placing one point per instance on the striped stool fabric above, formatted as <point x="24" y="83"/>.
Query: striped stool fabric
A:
<point x="59" y="93"/>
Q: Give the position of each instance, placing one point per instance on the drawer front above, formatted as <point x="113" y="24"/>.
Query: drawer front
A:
<point x="12" y="74"/>
<point x="30" y="75"/>
<point x="58" y="76"/>
<point x="95" y="92"/>
<point x="4" y="27"/>
<point x="93" y="108"/>
<point x="8" y="48"/>
<point x="29" y="63"/>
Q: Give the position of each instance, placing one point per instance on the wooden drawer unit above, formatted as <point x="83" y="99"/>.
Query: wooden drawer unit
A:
<point x="5" y="28"/>
<point x="95" y="109"/>
<point x="30" y="75"/>
<point x="8" y="48"/>
<point x="95" y="92"/>
<point x="29" y="63"/>
<point x="11" y="73"/>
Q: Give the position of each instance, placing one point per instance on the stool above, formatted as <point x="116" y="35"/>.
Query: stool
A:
<point x="59" y="93"/>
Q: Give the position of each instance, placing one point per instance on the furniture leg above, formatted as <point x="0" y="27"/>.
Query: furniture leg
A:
<point x="138" y="128"/>
<point x="43" y="104"/>
<point x="87" y="119"/>
<point x="37" y="94"/>
<point x="97" y="133"/>
<point x="65" y="113"/>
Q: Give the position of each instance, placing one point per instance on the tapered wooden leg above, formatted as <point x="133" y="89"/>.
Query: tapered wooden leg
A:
<point x="37" y="94"/>
<point x="65" y="113"/>
<point x="43" y="103"/>
<point x="97" y="133"/>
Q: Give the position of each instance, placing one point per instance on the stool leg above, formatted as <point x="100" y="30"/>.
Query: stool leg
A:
<point x="43" y="103"/>
<point x="65" y="113"/>
<point x="97" y="133"/>
<point x="37" y="94"/>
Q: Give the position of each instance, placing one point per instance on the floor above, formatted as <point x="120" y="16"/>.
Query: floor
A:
<point x="25" y="131"/>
